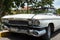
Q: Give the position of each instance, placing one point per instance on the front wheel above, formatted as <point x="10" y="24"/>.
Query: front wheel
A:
<point x="47" y="36"/>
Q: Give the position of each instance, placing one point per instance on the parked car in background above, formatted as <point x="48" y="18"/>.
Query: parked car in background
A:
<point x="42" y="24"/>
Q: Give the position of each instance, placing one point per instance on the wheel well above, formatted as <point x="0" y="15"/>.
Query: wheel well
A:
<point x="52" y="26"/>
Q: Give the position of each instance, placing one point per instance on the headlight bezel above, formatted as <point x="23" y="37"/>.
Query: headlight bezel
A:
<point x="34" y="22"/>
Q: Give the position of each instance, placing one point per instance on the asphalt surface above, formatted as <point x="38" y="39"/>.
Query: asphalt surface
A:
<point x="56" y="35"/>
<point x="15" y="36"/>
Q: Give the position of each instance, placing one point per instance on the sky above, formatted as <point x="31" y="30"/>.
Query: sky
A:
<point x="56" y="4"/>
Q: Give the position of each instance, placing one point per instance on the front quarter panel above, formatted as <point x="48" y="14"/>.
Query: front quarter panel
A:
<point x="44" y="23"/>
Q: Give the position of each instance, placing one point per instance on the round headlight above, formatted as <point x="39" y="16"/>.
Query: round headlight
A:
<point x="36" y="22"/>
<point x="30" y="22"/>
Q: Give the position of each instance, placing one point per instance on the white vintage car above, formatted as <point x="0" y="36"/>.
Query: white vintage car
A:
<point x="33" y="24"/>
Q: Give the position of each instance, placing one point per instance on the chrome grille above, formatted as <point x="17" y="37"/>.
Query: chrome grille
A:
<point x="18" y="22"/>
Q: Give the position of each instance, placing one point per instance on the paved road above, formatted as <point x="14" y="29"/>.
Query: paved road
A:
<point x="55" y="36"/>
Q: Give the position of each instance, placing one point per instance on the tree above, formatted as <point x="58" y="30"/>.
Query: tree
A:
<point x="58" y="11"/>
<point x="5" y="6"/>
<point x="42" y="3"/>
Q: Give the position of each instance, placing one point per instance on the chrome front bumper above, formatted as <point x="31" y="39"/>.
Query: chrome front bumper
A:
<point x="35" y="33"/>
<point x="32" y="32"/>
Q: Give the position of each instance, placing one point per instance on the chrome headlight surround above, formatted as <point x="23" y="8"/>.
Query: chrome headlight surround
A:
<point x="34" y="22"/>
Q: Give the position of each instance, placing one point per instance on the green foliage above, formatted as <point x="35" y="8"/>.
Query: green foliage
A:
<point x="7" y="5"/>
<point x="58" y="11"/>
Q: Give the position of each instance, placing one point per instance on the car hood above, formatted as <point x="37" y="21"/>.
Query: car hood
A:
<point x="30" y="16"/>
<point x="24" y="16"/>
<point x="44" y="16"/>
